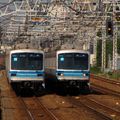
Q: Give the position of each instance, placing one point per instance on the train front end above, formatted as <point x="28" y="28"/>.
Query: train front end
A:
<point x="26" y="69"/>
<point x="73" y="68"/>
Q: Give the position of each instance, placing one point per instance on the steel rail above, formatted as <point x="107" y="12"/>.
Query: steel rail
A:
<point x="82" y="103"/>
<point x="113" y="110"/>
<point x="45" y="109"/>
<point x="107" y="80"/>
<point x="26" y="109"/>
<point x="104" y="90"/>
<point x="105" y="110"/>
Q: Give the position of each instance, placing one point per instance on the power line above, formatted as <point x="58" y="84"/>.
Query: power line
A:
<point x="7" y="4"/>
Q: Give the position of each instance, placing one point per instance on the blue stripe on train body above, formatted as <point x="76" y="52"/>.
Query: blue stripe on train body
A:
<point x="26" y="74"/>
<point x="73" y="74"/>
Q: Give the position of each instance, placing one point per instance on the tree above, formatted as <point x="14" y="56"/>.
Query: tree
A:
<point x="118" y="45"/>
<point x="99" y="53"/>
<point x="109" y="50"/>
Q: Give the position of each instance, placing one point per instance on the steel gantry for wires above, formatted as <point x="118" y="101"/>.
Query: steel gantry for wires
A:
<point x="56" y="19"/>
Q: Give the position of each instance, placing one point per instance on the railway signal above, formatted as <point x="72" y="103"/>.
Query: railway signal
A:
<point x="109" y="28"/>
<point x="117" y="16"/>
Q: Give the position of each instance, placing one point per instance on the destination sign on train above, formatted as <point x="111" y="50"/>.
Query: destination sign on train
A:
<point x="39" y="19"/>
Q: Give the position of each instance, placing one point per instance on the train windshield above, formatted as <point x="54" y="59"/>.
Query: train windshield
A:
<point x="27" y="61"/>
<point x="73" y="61"/>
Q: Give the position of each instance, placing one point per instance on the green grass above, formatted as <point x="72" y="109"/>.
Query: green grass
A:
<point x="95" y="70"/>
<point x="111" y="75"/>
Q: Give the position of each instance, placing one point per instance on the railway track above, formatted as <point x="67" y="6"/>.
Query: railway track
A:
<point x="104" y="90"/>
<point x="115" y="82"/>
<point x="36" y="110"/>
<point x="27" y="110"/>
<point x="103" y="111"/>
<point x="46" y="110"/>
<point x="105" y="86"/>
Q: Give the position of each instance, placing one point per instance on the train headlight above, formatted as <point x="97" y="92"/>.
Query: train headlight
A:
<point x="84" y="75"/>
<point x="60" y="74"/>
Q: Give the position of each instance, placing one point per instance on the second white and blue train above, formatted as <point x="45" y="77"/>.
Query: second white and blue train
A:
<point x="68" y="68"/>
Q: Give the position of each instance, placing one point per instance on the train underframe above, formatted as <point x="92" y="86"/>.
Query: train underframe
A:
<point x="35" y="85"/>
<point x="63" y="85"/>
<point x="74" y="86"/>
<point x="75" y="83"/>
<point x="52" y="82"/>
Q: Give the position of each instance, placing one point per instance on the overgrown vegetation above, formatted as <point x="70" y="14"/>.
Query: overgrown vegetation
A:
<point x="99" y="53"/>
<point x="110" y="74"/>
<point x="109" y="53"/>
<point x="109" y="49"/>
<point x="95" y="70"/>
<point x="118" y="45"/>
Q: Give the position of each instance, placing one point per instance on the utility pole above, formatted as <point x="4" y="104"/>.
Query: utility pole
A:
<point x="103" y="36"/>
<point x="104" y="45"/>
<point x="114" y="65"/>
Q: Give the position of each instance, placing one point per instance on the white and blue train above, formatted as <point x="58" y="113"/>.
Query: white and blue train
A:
<point x="68" y="68"/>
<point x="25" y="68"/>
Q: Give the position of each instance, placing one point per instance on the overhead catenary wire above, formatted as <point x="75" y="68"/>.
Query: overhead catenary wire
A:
<point x="7" y="4"/>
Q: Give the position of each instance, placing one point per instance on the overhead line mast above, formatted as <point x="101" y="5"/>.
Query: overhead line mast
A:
<point x="115" y="36"/>
<point x="81" y="15"/>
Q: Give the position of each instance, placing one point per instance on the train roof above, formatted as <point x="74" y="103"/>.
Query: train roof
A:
<point x="72" y="50"/>
<point x="26" y="50"/>
<point x="54" y="53"/>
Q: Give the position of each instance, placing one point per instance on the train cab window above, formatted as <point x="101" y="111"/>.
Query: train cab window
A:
<point x="27" y="61"/>
<point x="75" y="61"/>
<point x="81" y="61"/>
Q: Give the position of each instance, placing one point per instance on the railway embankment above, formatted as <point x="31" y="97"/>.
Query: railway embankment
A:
<point x="106" y="83"/>
<point x="0" y="97"/>
<point x="0" y="107"/>
<point x="111" y="75"/>
<point x="61" y="107"/>
<point x="2" y="87"/>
